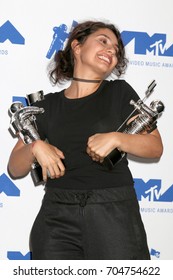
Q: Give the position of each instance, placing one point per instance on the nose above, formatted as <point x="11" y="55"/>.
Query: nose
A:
<point x="111" y="50"/>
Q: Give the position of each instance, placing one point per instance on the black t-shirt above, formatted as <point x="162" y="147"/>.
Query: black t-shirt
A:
<point x="68" y="123"/>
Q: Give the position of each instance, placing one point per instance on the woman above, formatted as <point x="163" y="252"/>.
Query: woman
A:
<point x="88" y="211"/>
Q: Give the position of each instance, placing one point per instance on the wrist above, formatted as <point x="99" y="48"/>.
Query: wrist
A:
<point x="32" y="148"/>
<point x="117" y="140"/>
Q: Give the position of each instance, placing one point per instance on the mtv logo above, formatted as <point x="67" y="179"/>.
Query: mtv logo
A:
<point x="151" y="190"/>
<point x="143" y="43"/>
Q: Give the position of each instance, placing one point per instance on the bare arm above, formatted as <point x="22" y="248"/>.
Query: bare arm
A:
<point x="141" y="145"/>
<point x="48" y="156"/>
<point x="21" y="159"/>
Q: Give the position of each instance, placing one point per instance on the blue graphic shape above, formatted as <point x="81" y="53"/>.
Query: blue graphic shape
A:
<point x="21" y="99"/>
<point x="155" y="253"/>
<point x="167" y="196"/>
<point x="16" y="255"/>
<point x="152" y="190"/>
<point x="8" y="187"/>
<point x="59" y="37"/>
<point x="9" y="32"/>
<point x="143" y="42"/>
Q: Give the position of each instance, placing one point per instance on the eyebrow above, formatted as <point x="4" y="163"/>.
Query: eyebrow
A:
<point x="116" y="45"/>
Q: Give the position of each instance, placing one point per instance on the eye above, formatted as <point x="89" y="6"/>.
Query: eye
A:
<point x="103" y="41"/>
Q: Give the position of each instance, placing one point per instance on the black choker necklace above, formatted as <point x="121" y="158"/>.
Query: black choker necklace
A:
<point x="86" y="81"/>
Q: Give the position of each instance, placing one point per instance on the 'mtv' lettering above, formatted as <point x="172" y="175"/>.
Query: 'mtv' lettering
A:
<point x="143" y="43"/>
<point x="152" y="190"/>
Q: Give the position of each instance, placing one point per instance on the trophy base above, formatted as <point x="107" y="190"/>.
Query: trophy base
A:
<point x="113" y="158"/>
<point x="36" y="174"/>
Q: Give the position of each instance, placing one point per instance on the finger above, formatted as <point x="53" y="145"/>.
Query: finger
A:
<point x="60" y="154"/>
<point x="88" y="150"/>
<point x="50" y="170"/>
<point x="91" y="138"/>
<point x="59" y="169"/>
<point x="96" y="158"/>
<point x="44" y="174"/>
<point x="101" y="159"/>
<point x="92" y="154"/>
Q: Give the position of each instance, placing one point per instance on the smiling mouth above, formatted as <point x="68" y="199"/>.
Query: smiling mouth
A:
<point x="105" y="58"/>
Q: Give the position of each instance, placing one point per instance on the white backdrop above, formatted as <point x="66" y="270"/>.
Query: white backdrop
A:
<point x="26" y="33"/>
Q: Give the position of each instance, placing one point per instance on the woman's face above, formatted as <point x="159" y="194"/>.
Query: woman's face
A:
<point x="98" y="54"/>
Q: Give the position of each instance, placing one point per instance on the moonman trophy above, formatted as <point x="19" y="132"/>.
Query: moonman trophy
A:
<point x="142" y="123"/>
<point x="22" y="123"/>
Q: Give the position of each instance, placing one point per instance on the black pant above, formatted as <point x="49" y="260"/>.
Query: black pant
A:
<point x="85" y="225"/>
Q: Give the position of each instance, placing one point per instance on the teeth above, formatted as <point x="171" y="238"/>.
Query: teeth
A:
<point x="104" y="58"/>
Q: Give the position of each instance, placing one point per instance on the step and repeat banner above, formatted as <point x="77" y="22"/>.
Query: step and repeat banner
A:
<point x="30" y="34"/>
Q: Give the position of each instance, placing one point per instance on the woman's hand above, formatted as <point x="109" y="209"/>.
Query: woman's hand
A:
<point x="146" y="145"/>
<point x="100" y="145"/>
<point x="50" y="159"/>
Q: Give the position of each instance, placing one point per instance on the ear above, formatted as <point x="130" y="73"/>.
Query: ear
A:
<point x="75" y="45"/>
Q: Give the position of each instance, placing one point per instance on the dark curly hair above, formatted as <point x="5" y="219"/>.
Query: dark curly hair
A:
<point x="62" y="66"/>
